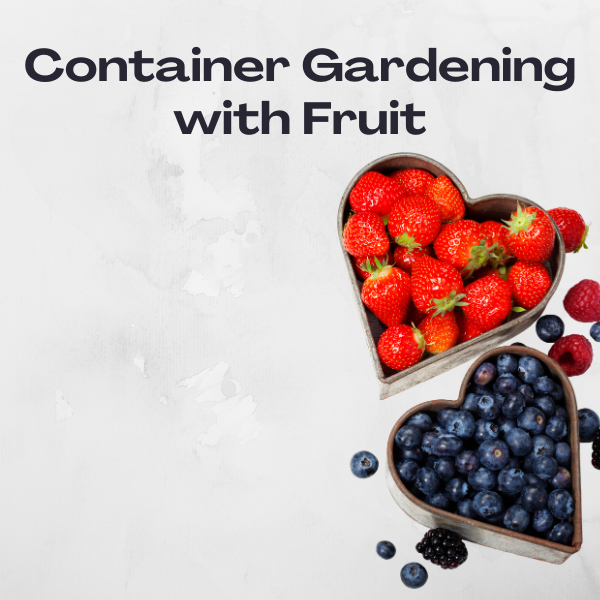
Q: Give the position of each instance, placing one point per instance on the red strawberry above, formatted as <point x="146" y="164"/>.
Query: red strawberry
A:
<point x="530" y="234"/>
<point x="414" y="221"/>
<point x="359" y="261"/>
<point x="413" y="181"/>
<point x="365" y="235"/>
<point x="387" y="293"/>
<point x="465" y="245"/>
<point x="501" y="272"/>
<point x="405" y="257"/>
<point x="467" y="330"/>
<point x="529" y="283"/>
<point x="572" y="227"/>
<point x="487" y="302"/>
<point x="448" y="198"/>
<point x="401" y="347"/>
<point x="498" y="233"/>
<point x="574" y="353"/>
<point x="582" y="301"/>
<point x="440" y="332"/>
<point x="413" y="316"/>
<point x="436" y="286"/>
<point x="376" y="193"/>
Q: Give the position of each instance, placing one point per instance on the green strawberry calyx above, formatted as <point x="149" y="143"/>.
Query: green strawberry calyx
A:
<point x="443" y="305"/>
<point x="481" y="255"/>
<point x="522" y="221"/>
<point x="582" y="243"/>
<point x="408" y="241"/>
<point x="377" y="269"/>
<point x="418" y="337"/>
<point x="518" y="309"/>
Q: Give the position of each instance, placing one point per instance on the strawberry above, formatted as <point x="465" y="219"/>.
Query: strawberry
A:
<point x="529" y="283"/>
<point x="464" y="245"/>
<point x="530" y="234"/>
<point x="498" y="233"/>
<point x="414" y="221"/>
<point x="401" y="347"/>
<point x="413" y="316"/>
<point x="365" y="235"/>
<point x="405" y="257"/>
<point x="361" y="263"/>
<point x="501" y="271"/>
<point x="572" y="227"/>
<point x="487" y="302"/>
<point x="440" y="332"/>
<point x="375" y="193"/>
<point x="448" y="198"/>
<point x="413" y="181"/>
<point x="387" y="293"/>
<point x="436" y="286"/>
<point x="467" y="330"/>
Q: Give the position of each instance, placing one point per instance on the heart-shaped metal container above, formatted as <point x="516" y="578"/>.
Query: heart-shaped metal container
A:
<point x="477" y="531"/>
<point x="495" y="207"/>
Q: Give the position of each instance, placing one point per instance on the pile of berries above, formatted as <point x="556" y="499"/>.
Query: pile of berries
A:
<point x="502" y="458"/>
<point x="433" y="278"/>
<point x="443" y="547"/>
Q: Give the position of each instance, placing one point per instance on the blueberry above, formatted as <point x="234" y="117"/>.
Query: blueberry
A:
<point x="443" y="415"/>
<point x="557" y="393"/>
<point x="543" y="385"/>
<point x="446" y="444"/>
<point x="386" y="550"/>
<point x="561" y="504"/>
<point x="412" y="454"/>
<point x="561" y="411"/>
<point x="519" y="344"/>
<point x="505" y="425"/>
<point x="408" y="437"/>
<point x="563" y="454"/>
<point x="483" y="479"/>
<point x="444" y="468"/>
<point x="461" y="424"/>
<point x="485" y="373"/>
<point x="532" y="420"/>
<point x="530" y="369"/>
<point x="542" y="520"/>
<point x="487" y="504"/>
<point x="528" y="462"/>
<point x="470" y="403"/>
<point x="457" y="489"/>
<point x="482" y="390"/>
<point x="513" y="463"/>
<point x="485" y="430"/>
<point x="467" y="462"/>
<point x="364" y="464"/>
<point x="497" y="520"/>
<point x="489" y="406"/>
<point x="439" y="500"/>
<point x="465" y="509"/>
<point x="493" y="454"/>
<point x="533" y="498"/>
<point x="413" y="576"/>
<point x="519" y="442"/>
<point x="506" y="383"/>
<point x="588" y="424"/>
<point x="507" y="363"/>
<point x="427" y="481"/>
<point x="545" y="404"/>
<point x="595" y="332"/>
<point x="544" y="467"/>
<point x="562" y="479"/>
<point x="511" y="481"/>
<point x="534" y="480"/>
<point x="562" y="534"/>
<point x="527" y="392"/>
<point x="428" y="438"/>
<point x="421" y="421"/>
<point x="543" y="446"/>
<point x="556" y="428"/>
<point x="550" y="328"/>
<point x="516" y="518"/>
<point x="407" y="470"/>
<point x="514" y="405"/>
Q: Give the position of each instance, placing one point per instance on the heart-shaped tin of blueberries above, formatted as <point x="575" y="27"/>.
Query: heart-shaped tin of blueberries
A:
<point x="493" y="207"/>
<point x="477" y="531"/>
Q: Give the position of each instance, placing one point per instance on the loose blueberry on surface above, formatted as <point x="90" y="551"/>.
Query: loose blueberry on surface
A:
<point x="514" y="405"/>
<point x="530" y="369"/>
<point x="507" y="363"/>
<point x="543" y="446"/>
<point x="457" y="489"/>
<point x="550" y="328"/>
<point x="589" y="424"/>
<point x="562" y="533"/>
<point x="562" y="454"/>
<point x="386" y="550"/>
<point x="444" y="468"/>
<point x="412" y="454"/>
<point x="446" y="444"/>
<point x="467" y="462"/>
<point x="485" y="430"/>
<point x="471" y="402"/>
<point x="527" y="392"/>
<point x="493" y="454"/>
<point x="413" y="575"/>
<point x="506" y="383"/>
<point x="595" y="332"/>
<point x="465" y="509"/>
<point x="488" y="504"/>
<point x="408" y="437"/>
<point x="511" y="481"/>
<point x="556" y="428"/>
<point x="533" y="498"/>
<point x="421" y="421"/>
<point x="439" y="500"/>
<point x="407" y="470"/>
<point x="532" y="420"/>
<point x="485" y="373"/>
<point x="545" y="404"/>
<point x="516" y="518"/>
<point x="543" y="520"/>
<point x="561" y="504"/>
<point x="483" y="480"/>
<point x="427" y="481"/>
<point x="562" y="479"/>
<point x="364" y="464"/>
<point x="461" y="424"/>
<point x="519" y="442"/>
<point x="543" y="385"/>
<point x="545" y="467"/>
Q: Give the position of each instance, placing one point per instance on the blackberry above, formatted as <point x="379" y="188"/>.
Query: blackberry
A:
<point x="596" y="451"/>
<point x="443" y="548"/>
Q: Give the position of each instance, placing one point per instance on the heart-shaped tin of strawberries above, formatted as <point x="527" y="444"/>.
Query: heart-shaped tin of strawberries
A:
<point x="495" y="207"/>
<point x="477" y="531"/>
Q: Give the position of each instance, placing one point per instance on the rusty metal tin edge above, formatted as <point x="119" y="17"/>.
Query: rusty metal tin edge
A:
<point x="460" y="353"/>
<point x="465" y="523"/>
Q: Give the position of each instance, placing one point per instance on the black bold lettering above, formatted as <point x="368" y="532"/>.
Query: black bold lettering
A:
<point x="30" y="65"/>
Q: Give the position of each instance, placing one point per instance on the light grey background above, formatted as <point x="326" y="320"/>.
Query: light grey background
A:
<point x="184" y="374"/>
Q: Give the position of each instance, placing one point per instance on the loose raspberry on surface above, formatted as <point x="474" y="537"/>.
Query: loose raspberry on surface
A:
<point x="572" y="227"/>
<point x="573" y="353"/>
<point x="375" y="193"/>
<point x="582" y="301"/>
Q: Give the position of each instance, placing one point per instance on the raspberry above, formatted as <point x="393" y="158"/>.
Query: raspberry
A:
<point x="573" y="353"/>
<point x="582" y="301"/>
